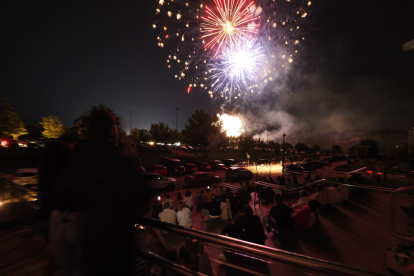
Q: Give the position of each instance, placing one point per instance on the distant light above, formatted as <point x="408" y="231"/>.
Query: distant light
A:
<point x="188" y="90"/>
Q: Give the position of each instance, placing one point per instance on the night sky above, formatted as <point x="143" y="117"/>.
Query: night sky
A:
<point x="61" y="57"/>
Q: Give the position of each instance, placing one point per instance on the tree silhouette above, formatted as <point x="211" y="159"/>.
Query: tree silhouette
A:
<point x="200" y="125"/>
<point x="10" y="123"/>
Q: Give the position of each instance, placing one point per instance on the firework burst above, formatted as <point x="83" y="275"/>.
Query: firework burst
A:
<point x="208" y="42"/>
<point x="236" y="68"/>
<point x="227" y="23"/>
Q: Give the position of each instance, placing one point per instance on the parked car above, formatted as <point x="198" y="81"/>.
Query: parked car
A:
<point x="160" y="169"/>
<point x="294" y="168"/>
<point x="219" y="166"/>
<point x="190" y="168"/>
<point x="238" y="173"/>
<point x="229" y="162"/>
<point x="201" y="178"/>
<point x="157" y="181"/>
<point x="204" y="167"/>
<point x="9" y="143"/>
<point x="174" y="166"/>
<point x="24" y="177"/>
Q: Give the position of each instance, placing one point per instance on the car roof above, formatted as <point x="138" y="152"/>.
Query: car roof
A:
<point x="150" y="173"/>
<point x="27" y="170"/>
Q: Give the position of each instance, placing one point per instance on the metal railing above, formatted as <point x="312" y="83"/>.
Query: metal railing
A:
<point x="163" y="262"/>
<point x="306" y="263"/>
<point x="289" y="190"/>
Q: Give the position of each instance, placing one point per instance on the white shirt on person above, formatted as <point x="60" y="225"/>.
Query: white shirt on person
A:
<point x="334" y="195"/>
<point x="184" y="217"/>
<point x="225" y="210"/>
<point x="320" y="196"/>
<point x="189" y="201"/>
<point x="303" y="201"/>
<point x="168" y="215"/>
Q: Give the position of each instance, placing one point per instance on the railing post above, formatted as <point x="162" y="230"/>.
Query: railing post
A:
<point x="392" y="212"/>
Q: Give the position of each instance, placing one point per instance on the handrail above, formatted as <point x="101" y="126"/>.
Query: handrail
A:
<point x="309" y="263"/>
<point x="369" y="187"/>
<point x="357" y="170"/>
<point x="182" y="270"/>
<point x="309" y="184"/>
<point x="266" y="184"/>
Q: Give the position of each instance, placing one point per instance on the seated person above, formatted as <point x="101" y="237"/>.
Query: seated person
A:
<point x="184" y="215"/>
<point x="202" y="201"/>
<point x="253" y="227"/>
<point x="189" y="200"/>
<point x="235" y="229"/>
<point x="334" y="194"/>
<point x="303" y="218"/>
<point x="304" y="198"/>
<point x="234" y="204"/>
<point x="168" y="215"/>
<point x="213" y="211"/>
<point x="225" y="208"/>
<point x="281" y="214"/>
<point x="167" y="199"/>
<point x="320" y="195"/>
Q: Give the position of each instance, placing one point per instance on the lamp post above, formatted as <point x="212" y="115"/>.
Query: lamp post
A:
<point x="283" y="155"/>
<point x="267" y="134"/>
<point x="176" y="128"/>
<point x="130" y="122"/>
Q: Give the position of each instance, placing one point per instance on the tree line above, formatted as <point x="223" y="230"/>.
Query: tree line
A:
<point x="202" y="130"/>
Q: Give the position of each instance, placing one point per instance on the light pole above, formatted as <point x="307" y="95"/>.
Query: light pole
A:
<point x="283" y="156"/>
<point x="176" y="128"/>
<point x="267" y="134"/>
<point x="130" y="122"/>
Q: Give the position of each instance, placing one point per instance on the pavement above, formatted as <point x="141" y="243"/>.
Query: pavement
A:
<point x="355" y="233"/>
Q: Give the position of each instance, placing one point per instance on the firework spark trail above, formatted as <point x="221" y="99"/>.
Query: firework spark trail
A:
<point x="229" y="24"/>
<point x="238" y="65"/>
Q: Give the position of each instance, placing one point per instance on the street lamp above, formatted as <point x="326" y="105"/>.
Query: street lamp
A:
<point x="283" y="153"/>
<point x="267" y="134"/>
<point x="130" y="122"/>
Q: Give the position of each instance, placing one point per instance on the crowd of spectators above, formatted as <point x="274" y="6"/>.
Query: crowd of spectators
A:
<point x="234" y="206"/>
